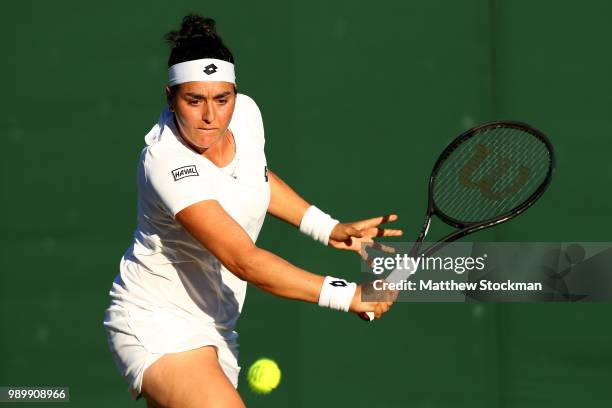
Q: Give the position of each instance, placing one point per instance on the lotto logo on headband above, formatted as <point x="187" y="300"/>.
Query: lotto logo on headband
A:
<point x="185" y="171"/>
<point x="210" y="69"/>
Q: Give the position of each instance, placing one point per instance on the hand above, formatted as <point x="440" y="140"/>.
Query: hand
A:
<point x="352" y="235"/>
<point x="378" y="307"/>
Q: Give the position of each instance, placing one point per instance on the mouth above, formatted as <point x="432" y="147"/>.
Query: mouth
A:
<point x="207" y="129"/>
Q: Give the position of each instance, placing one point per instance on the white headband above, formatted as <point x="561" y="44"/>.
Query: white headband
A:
<point x="207" y="69"/>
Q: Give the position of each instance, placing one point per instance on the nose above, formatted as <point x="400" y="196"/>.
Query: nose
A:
<point x="208" y="115"/>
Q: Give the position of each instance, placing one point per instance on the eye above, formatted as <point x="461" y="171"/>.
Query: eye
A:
<point x="194" y="102"/>
<point x="222" y="101"/>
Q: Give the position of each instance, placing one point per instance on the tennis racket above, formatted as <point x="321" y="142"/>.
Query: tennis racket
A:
<point x="486" y="176"/>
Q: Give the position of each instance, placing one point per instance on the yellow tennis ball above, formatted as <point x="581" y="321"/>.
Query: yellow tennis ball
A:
<point x="263" y="376"/>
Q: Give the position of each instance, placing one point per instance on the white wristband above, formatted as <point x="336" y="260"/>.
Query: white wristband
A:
<point x="317" y="224"/>
<point x="337" y="293"/>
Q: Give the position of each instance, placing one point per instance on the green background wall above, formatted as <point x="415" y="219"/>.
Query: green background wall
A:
<point x="358" y="98"/>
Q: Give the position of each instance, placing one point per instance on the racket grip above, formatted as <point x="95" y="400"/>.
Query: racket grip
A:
<point x="367" y="316"/>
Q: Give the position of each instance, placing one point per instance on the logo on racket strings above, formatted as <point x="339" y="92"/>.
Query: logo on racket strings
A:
<point x="492" y="176"/>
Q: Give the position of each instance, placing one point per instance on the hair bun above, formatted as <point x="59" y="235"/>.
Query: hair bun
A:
<point x="193" y="26"/>
<point x="196" y="39"/>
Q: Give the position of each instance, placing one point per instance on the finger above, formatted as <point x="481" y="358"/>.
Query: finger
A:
<point x="387" y="232"/>
<point x="373" y="246"/>
<point x="378" y="311"/>
<point x="389" y="218"/>
<point x="373" y="222"/>
<point x="377" y="246"/>
<point x="367" y="258"/>
<point x="389" y="296"/>
<point x="354" y="232"/>
<point x="341" y="232"/>
<point x="382" y="232"/>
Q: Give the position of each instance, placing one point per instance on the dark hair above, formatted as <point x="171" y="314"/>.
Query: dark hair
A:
<point x="196" y="39"/>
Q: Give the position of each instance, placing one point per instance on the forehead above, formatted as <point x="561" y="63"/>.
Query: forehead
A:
<point x="209" y="88"/>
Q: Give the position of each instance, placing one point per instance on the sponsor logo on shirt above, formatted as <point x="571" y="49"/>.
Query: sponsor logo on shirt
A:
<point x="185" y="171"/>
<point x="266" y="173"/>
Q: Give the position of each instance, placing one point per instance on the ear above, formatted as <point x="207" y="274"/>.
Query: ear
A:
<point x="169" y="98"/>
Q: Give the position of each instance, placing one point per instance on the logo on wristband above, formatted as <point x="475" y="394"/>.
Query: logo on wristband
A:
<point x="339" y="283"/>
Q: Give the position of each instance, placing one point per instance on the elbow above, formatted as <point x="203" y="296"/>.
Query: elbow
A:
<point x="244" y="265"/>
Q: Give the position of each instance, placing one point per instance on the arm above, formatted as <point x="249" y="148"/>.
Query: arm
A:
<point x="288" y="206"/>
<point x="285" y="203"/>
<point x="192" y="203"/>
<point x="237" y="252"/>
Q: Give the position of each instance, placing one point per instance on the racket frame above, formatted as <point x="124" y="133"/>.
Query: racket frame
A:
<point x="466" y="228"/>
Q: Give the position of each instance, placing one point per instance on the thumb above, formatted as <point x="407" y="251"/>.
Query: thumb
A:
<point x="354" y="232"/>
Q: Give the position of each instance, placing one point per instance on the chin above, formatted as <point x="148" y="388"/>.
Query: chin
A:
<point x="204" y="143"/>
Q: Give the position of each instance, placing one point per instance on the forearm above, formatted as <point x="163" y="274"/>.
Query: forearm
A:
<point x="277" y="276"/>
<point x="238" y="253"/>
<point x="285" y="203"/>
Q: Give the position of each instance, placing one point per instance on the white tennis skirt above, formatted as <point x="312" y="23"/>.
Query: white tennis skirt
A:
<point x="137" y="338"/>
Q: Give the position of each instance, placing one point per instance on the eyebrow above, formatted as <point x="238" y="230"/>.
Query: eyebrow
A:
<point x="200" y="96"/>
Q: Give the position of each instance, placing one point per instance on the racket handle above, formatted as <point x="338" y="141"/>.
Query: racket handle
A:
<point x="367" y="316"/>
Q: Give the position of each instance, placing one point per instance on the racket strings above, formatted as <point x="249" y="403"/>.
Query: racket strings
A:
<point x="477" y="209"/>
<point x="490" y="173"/>
<point x="496" y="192"/>
<point x="530" y="174"/>
<point x="490" y="183"/>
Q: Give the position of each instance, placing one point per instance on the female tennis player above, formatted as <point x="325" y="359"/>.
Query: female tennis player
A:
<point x="203" y="192"/>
